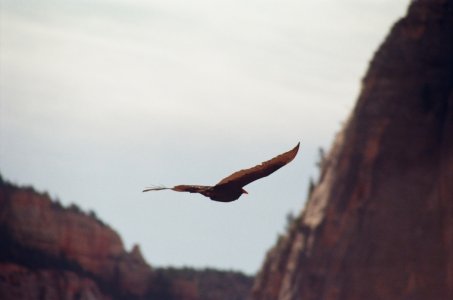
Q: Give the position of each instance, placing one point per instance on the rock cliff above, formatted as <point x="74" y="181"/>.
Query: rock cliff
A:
<point x="379" y="223"/>
<point x="51" y="252"/>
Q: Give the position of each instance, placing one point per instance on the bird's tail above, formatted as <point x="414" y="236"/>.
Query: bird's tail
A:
<point x="156" y="188"/>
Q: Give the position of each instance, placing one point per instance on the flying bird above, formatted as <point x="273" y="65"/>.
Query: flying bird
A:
<point x="231" y="188"/>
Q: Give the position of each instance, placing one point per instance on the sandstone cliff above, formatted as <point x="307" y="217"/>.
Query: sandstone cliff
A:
<point x="51" y="252"/>
<point x="379" y="223"/>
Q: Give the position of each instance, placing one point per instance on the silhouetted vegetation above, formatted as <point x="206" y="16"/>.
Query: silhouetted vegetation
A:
<point x="92" y="214"/>
<point x="321" y="158"/>
<point x="74" y="208"/>
<point x="311" y="187"/>
<point x="206" y="283"/>
<point x="290" y="218"/>
<point x="57" y="204"/>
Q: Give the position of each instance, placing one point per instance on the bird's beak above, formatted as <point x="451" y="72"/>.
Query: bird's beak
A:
<point x="244" y="191"/>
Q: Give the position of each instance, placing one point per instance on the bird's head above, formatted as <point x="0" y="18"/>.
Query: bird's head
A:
<point x="244" y="191"/>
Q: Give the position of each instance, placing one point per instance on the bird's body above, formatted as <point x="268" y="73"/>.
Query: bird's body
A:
<point x="217" y="193"/>
<point x="231" y="188"/>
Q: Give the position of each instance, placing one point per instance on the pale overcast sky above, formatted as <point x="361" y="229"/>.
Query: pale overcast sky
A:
<point x="100" y="99"/>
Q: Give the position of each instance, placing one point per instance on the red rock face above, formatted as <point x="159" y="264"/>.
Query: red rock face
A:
<point x="72" y="235"/>
<point x="17" y="282"/>
<point x="379" y="224"/>
<point x="50" y="237"/>
<point x="49" y="252"/>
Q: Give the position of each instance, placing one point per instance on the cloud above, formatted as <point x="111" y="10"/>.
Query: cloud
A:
<point x="99" y="98"/>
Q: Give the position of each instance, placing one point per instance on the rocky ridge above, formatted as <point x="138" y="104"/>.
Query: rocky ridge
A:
<point x="379" y="223"/>
<point x="51" y="252"/>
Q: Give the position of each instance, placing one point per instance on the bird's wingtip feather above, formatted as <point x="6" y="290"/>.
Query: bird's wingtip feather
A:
<point x="297" y="147"/>
<point x="155" y="188"/>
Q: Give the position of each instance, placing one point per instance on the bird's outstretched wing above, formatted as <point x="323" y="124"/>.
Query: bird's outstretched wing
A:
<point x="180" y="188"/>
<point x="244" y="177"/>
<point x="191" y="188"/>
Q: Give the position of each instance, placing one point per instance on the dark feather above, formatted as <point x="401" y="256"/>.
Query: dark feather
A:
<point x="156" y="188"/>
<point x="246" y="176"/>
<point x="191" y="188"/>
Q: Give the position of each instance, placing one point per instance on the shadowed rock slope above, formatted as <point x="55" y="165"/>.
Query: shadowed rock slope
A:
<point x="51" y="252"/>
<point x="379" y="223"/>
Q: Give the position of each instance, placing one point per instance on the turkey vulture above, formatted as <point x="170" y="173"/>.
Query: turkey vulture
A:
<point x="230" y="188"/>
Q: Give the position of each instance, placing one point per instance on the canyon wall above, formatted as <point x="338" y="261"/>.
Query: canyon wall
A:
<point x="51" y="252"/>
<point x="379" y="223"/>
